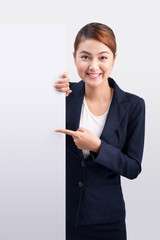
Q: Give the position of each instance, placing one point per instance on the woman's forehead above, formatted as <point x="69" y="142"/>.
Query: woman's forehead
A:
<point x="93" y="46"/>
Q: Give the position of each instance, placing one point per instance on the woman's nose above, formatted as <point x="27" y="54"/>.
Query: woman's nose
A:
<point x="93" y="65"/>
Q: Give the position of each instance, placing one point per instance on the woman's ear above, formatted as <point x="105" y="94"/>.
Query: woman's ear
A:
<point x="74" y="56"/>
<point x="115" y="55"/>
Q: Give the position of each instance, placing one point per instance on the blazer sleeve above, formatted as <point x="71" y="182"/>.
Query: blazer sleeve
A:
<point x="128" y="161"/>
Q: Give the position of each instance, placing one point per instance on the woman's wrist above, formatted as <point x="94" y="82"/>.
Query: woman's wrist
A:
<point x="97" y="147"/>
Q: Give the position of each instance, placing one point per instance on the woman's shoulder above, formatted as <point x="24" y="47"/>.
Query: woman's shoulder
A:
<point x="71" y="84"/>
<point x="132" y="102"/>
<point x="78" y="88"/>
<point x="131" y="97"/>
<point x="136" y="105"/>
<point x="123" y="95"/>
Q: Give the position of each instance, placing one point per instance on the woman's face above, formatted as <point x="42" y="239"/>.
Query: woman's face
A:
<point x="94" y="62"/>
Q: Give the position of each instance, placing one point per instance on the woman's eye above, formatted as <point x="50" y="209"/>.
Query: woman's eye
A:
<point x="85" y="57"/>
<point x="103" y="57"/>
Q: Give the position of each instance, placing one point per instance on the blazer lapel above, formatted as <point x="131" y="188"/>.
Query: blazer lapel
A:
<point x="118" y="109"/>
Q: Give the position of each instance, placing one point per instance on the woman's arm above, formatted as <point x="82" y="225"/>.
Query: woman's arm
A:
<point x="128" y="161"/>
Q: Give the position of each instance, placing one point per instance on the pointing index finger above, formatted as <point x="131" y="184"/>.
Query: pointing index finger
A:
<point x="66" y="131"/>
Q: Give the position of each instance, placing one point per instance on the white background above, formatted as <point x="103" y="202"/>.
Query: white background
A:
<point x="136" y="26"/>
<point x="32" y="155"/>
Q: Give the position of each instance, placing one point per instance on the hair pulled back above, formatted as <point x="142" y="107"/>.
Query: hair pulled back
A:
<point x="97" y="31"/>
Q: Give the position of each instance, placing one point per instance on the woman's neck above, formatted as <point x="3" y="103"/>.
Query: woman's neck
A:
<point x="100" y="93"/>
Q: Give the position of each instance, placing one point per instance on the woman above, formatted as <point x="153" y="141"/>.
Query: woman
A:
<point x="104" y="139"/>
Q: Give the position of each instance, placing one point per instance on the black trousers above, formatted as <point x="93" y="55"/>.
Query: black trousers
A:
<point x="110" y="231"/>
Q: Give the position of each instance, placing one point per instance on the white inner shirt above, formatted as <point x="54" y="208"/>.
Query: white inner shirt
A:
<point x="94" y="124"/>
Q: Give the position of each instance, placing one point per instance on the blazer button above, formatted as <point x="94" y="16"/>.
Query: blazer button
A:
<point x="80" y="183"/>
<point x="83" y="163"/>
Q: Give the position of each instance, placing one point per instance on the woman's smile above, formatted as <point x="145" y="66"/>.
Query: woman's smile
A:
<point x="93" y="75"/>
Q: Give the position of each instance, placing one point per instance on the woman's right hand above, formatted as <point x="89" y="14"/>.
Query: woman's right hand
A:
<point x="63" y="85"/>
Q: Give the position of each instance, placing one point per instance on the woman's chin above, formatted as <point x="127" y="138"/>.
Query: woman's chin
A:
<point x="93" y="82"/>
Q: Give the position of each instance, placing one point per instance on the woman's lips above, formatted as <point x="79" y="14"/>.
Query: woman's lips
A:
<point x="93" y="76"/>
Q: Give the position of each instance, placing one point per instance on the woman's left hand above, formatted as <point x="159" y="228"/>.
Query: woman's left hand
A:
<point x="83" y="138"/>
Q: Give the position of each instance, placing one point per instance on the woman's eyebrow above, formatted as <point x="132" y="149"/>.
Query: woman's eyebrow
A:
<point x="91" y="54"/>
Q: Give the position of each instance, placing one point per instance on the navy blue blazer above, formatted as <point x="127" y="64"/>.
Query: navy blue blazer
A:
<point x="93" y="185"/>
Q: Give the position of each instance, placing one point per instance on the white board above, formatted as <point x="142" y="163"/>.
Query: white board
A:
<point x="32" y="155"/>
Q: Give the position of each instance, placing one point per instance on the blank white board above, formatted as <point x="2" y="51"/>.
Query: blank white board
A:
<point x="32" y="155"/>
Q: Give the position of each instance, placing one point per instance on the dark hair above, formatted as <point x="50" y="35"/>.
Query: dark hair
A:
<point x="98" y="31"/>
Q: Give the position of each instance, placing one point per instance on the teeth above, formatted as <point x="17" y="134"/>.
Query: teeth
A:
<point x="94" y="75"/>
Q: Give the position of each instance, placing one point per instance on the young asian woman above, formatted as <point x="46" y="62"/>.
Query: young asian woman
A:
<point x="104" y="139"/>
